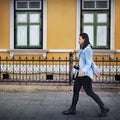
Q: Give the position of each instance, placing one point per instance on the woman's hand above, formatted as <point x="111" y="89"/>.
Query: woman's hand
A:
<point x="81" y="74"/>
<point x="97" y="75"/>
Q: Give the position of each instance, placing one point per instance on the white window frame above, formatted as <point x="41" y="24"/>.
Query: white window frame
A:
<point x="111" y="24"/>
<point x="34" y="51"/>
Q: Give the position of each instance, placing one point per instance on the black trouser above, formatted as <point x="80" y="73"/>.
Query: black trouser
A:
<point x="86" y="82"/>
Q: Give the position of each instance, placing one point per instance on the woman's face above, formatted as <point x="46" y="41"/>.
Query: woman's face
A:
<point x="81" y="40"/>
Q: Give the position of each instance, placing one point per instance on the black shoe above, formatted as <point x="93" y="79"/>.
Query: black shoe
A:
<point x="104" y="112"/>
<point x="69" y="112"/>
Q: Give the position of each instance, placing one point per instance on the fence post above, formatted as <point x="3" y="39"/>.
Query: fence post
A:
<point x="70" y="67"/>
<point x="117" y="76"/>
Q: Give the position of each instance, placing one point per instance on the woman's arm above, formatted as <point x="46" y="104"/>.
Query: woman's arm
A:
<point x="95" y="69"/>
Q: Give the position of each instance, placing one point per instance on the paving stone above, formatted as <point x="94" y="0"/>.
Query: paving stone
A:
<point x="49" y="106"/>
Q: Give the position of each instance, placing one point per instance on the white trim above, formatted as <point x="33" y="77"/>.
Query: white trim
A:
<point x="61" y="50"/>
<point x="77" y="23"/>
<point x="3" y="50"/>
<point x="111" y="53"/>
<point x="118" y="51"/>
<point x="112" y="24"/>
<point x="12" y="50"/>
<point x="31" y="51"/>
<point x="27" y="52"/>
<point x="11" y="24"/>
<point x="44" y="24"/>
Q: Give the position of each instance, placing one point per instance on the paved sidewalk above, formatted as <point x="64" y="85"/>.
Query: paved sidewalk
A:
<point x="49" y="106"/>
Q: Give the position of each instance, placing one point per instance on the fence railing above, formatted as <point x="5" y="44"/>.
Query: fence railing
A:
<point x="109" y="69"/>
<point x="59" y="71"/>
<point x="34" y="70"/>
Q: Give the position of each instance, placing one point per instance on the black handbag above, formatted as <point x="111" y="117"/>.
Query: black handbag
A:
<point x="75" y="76"/>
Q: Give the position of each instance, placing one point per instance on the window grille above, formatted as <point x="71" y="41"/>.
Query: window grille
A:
<point x="28" y="5"/>
<point x="96" y="4"/>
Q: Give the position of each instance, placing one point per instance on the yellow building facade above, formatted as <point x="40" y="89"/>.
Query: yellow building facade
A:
<point x="61" y="25"/>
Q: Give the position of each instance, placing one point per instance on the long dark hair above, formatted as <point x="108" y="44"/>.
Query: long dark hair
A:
<point x="86" y="42"/>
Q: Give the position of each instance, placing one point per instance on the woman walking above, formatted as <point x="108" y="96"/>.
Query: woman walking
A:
<point x="85" y="75"/>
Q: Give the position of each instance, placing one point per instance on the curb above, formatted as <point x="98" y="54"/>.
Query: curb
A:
<point x="38" y="88"/>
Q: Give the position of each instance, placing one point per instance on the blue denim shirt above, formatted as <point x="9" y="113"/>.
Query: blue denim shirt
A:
<point x="86" y="63"/>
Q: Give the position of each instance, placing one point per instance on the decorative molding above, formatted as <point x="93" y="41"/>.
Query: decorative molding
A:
<point x="103" y="52"/>
<point x="44" y="51"/>
<point x="27" y="52"/>
<point x="110" y="53"/>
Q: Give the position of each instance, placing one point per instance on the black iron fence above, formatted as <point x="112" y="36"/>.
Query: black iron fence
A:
<point x="57" y="71"/>
<point x="109" y="70"/>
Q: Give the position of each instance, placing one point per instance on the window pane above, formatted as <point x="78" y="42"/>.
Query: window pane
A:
<point x="102" y="18"/>
<point x="34" y="5"/>
<point x="21" y="35"/>
<point x="22" y="18"/>
<point x="22" y="5"/>
<point x="89" y="31"/>
<point x="88" y="18"/>
<point x="89" y="4"/>
<point x="101" y="35"/>
<point x="28" y="4"/>
<point x="34" y="18"/>
<point x="101" y="4"/>
<point x="34" y="35"/>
